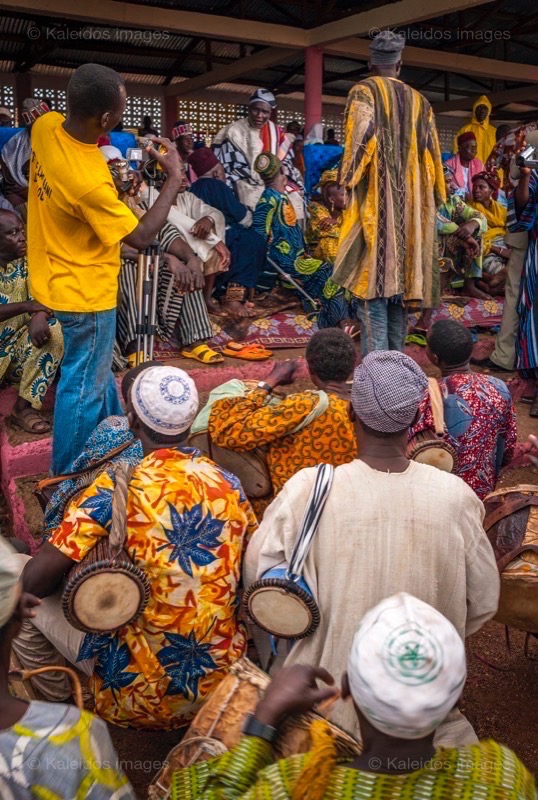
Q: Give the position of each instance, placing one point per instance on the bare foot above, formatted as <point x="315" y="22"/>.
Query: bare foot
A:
<point x="472" y="290"/>
<point x="236" y="309"/>
<point x="215" y="308"/>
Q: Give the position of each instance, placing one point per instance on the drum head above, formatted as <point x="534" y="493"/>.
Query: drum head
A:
<point x="105" y="601"/>
<point x="436" y="457"/>
<point x="282" y="609"/>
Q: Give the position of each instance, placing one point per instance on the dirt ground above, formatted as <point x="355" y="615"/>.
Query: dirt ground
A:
<point x="500" y="695"/>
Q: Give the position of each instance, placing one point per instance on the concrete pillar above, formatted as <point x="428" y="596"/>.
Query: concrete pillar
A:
<point x="170" y="115"/>
<point x="313" y="87"/>
<point x="23" y="89"/>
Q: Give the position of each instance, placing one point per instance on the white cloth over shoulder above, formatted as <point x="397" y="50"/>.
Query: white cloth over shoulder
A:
<point x="419" y="531"/>
<point x="186" y="211"/>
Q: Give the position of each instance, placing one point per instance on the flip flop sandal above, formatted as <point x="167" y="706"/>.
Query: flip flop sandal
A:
<point x="416" y="338"/>
<point x="254" y="346"/>
<point x="131" y="359"/>
<point x="24" y="421"/>
<point x="203" y="354"/>
<point x="247" y="353"/>
<point x="527" y="399"/>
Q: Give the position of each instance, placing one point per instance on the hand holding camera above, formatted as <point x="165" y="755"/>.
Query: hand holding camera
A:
<point x="169" y="160"/>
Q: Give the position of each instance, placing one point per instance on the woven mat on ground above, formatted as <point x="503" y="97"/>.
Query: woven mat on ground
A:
<point x="285" y="329"/>
<point x="484" y="313"/>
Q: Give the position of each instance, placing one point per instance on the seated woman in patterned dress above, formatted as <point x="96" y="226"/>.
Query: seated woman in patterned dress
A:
<point x="496" y="252"/>
<point x="405" y="672"/>
<point x="275" y="220"/>
<point x="325" y="217"/>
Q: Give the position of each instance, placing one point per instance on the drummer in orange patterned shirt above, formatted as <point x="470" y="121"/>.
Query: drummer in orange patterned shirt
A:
<point x="187" y="526"/>
<point x="305" y="429"/>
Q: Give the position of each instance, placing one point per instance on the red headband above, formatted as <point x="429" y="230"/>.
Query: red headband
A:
<point x="468" y="136"/>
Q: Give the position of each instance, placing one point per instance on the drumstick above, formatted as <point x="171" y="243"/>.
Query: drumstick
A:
<point x="328" y="703"/>
<point x="26" y="674"/>
<point x="436" y="402"/>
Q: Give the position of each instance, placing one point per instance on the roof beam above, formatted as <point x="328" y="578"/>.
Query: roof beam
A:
<point x="194" y="23"/>
<point x="502" y="98"/>
<point x="424" y="58"/>
<point x="183" y="23"/>
<point x="390" y="15"/>
<point x="226" y="74"/>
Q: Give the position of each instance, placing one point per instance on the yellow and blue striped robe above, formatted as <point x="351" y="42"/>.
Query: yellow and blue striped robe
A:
<point x="393" y="176"/>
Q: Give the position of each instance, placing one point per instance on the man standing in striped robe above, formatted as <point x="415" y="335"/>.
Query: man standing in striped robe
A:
<point x="393" y="177"/>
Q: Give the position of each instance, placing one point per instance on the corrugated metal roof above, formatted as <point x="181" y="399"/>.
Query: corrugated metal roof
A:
<point x="130" y="63"/>
<point x="54" y="72"/>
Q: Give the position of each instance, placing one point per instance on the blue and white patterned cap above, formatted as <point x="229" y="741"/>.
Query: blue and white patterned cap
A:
<point x="165" y="399"/>
<point x="406" y="668"/>
<point x="387" y="390"/>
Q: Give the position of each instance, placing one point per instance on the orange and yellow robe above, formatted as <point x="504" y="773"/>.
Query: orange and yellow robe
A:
<point x="245" y="423"/>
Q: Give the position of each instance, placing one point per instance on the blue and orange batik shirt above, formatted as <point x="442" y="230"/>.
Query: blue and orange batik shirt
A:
<point x="188" y="522"/>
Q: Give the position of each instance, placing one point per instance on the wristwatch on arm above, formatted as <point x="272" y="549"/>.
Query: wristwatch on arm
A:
<point x="265" y="387"/>
<point x="253" y="727"/>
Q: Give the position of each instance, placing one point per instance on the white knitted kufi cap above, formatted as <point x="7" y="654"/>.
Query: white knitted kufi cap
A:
<point x="165" y="399"/>
<point x="406" y="667"/>
<point x="10" y="590"/>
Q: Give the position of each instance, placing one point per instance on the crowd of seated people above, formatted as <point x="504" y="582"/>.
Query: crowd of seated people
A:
<point x="190" y="526"/>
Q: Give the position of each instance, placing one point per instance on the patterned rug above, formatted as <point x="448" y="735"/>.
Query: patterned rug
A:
<point x="475" y="313"/>
<point x="288" y="329"/>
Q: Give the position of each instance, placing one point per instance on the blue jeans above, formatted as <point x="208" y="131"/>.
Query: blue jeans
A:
<point x="383" y="325"/>
<point x="87" y="392"/>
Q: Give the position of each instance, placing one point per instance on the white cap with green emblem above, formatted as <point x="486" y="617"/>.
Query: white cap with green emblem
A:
<point x="406" y="667"/>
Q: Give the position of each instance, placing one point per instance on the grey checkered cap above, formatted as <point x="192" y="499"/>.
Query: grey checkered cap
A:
<point x="387" y="389"/>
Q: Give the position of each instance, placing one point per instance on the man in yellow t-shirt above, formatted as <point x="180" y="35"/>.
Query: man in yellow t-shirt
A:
<point x="76" y="223"/>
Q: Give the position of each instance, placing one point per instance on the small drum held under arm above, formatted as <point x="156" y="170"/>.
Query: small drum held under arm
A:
<point x="106" y="590"/>
<point x="429" y="446"/>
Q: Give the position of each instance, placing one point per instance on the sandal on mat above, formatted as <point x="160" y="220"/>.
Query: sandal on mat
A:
<point x="204" y="354"/>
<point x="28" y="419"/>
<point x="248" y="352"/>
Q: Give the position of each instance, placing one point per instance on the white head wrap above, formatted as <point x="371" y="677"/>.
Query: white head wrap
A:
<point x="406" y="667"/>
<point x="263" y="96"/>
<point x="110" y="152"/>
<point x="165" y="399"/>
<point x="10" y="571"/>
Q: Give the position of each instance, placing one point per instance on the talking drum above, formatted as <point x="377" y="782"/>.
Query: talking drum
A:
<point x="427" y="448"/>
<point x="511" y="524"/>
<point x="281" y="602"/>
<point x="217" y="727"/>
<point x="249" y="466"/>
<point x="106" y="590"/>
<point x="282" y="606"/>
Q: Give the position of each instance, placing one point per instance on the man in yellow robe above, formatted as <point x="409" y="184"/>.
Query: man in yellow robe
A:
<point x="393" y="176"/>
<point x="485" y="133"/>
